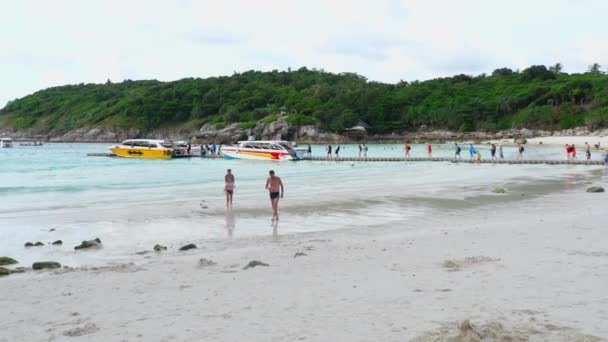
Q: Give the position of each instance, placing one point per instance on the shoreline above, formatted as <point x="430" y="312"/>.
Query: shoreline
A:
<point x="526" y="268"/>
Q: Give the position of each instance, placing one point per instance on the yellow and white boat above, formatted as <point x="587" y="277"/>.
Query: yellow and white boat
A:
<point x="144" y="148"/>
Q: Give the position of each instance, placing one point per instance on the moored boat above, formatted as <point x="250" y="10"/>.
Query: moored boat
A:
<point x="261" y="150"/>
<point x="144" y="148"/>
<point x="6" y="143"/>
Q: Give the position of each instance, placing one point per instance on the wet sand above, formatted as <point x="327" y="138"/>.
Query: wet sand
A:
<point x="533" y="269"/>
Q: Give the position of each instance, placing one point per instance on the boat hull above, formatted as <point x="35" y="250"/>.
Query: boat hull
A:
<point x="239" y="153"/>
<point x="142" y="152"/>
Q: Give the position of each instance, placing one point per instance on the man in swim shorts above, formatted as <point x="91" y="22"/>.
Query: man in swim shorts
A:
<point x="229" y="187"/>
<point x="274" y="185"/>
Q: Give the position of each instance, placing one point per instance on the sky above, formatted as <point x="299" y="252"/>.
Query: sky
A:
<point x="48" y="43"/>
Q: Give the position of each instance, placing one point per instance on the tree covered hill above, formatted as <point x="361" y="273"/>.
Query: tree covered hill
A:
<point x="537" y="97"/>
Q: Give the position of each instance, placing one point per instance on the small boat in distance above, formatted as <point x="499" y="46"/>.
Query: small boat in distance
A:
<point x="261" y="150"/>
<point x="6" y="143"/>
<point x="144" y="148"/>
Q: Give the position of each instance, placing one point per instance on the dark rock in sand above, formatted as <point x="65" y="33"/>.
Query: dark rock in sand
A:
<point x="160" y="248"/>
<point x="7" y="261"/>
<point x="187" y="247"/>
<point x="18" y="270"/>
<point x="29" y="244"/>
<point x="299" y="254"/>
<point x="595" y="189"/>
<point x="41" y="265"/>
<point x="4" y="271"/>
<point x="254" y="263"/>
<point x="89" y="244"/>
<point x="206" y="262"/>
<point x="58" y="242"/>
<point x="38" y="244"/>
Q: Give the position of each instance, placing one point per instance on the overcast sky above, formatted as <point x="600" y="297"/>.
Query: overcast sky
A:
<point x="51" y="42"/>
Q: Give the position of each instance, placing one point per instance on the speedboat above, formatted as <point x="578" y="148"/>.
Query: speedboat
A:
<point x="6" y="143"/>
<point x="144" y="148"/>
<point x="261" y="150"/>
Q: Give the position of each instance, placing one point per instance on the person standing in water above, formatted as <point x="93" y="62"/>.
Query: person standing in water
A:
<point x="364" y="151"/>
<point x="520" y="154"/>
<point x="429" y="151"/>
<point x="229" y="187"/>
<point x="274" y="185"/>
<point x="337" y="152"/>
<point x="493" y="151"/>
<point x="568" y="151"/>
<point x="457" y="151"/>
<point x="501" y="154"/>
<point x="309" y="151"/>
<point x="328" y="149"/>
<point x="588" y="150"/>
<point x="408" y="148"/>
<point x="573" y="151"/>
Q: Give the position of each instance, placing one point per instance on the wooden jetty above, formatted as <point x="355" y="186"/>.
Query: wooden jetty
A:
<point x="468" y="161"/>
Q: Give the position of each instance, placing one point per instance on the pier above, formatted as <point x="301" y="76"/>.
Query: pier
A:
<point x="467" y="161"/>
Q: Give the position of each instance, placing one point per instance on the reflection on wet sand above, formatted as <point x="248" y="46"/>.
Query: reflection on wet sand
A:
<point x="230" y="222"/>
<point x="275" y="229"/>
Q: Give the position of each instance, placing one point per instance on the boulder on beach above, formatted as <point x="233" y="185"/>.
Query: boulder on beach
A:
<point x="160" y="248"/>
<point x="595" y="189"/>
<point x="4" y="271"/>
<point x="89" y="244"/>
<point x="7" y="261"/>
<point x="29" y="244"/>
<point x="41" y="265"/>
<point x="58" y="242"/>
<point x="255" y="263"/>
<point x="187" y="247"/>
<point x="18" y="270"/>
<point x="38" y="244"/>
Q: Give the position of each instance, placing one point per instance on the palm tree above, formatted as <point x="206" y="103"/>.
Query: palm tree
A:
<point x="557" y="68"/>
<point x="594" y="69"/>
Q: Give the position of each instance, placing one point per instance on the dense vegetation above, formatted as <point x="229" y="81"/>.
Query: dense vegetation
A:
<point x="537" y="97"/>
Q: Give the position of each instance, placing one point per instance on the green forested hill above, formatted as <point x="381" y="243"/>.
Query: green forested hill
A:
<point x="536" y="97"/>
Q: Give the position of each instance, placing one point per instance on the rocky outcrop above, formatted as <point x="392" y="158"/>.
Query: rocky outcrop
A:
<point x="41" y="265"/>
<point x="4" y="271"/>
<point x="595" y="189"/>
<point x="255" y="263"/>
<point x="7" y="261"/>
<point x="159" y="248"/>
<point x="86" y="244"/>
<point x="187" y="247"/>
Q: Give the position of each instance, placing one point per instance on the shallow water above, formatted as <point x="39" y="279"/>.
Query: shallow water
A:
<point x="132" y="204"/>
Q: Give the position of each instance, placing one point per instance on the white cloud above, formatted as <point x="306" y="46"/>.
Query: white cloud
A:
<point x="45" y="43"/>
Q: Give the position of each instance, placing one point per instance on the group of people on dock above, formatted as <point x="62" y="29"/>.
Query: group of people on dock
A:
<point x="212" y="150"/>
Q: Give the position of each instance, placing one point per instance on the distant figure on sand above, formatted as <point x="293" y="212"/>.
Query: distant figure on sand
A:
<point x="229" y="187"/>
<point x="309" y="151"/>
<point x="588" y="150"/>
<point x="520" y="154"/>
<point x="501" y="154"/>
<point x="457" y="151"/>
<point x="274" y="185"/>
<point x="328" y="149"/>
<point x="337" y="152"/>
<point x="472" y="151"/>
<point x="493" y="151"/>
<point x="408" y="148"/>
<point x="429" y="151"/>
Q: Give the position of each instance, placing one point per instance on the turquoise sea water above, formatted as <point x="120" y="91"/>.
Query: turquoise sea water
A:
<point x="131" y="204"/>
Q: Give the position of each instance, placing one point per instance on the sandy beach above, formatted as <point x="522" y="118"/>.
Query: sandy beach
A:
<point x="533" y="270"/>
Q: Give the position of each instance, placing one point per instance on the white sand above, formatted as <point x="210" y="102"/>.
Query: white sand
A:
<point x="578" y="141"/>
<point x="537" y="269"/>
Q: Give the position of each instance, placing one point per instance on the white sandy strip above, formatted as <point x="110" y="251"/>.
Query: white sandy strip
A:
<point x="578" y="141"/>
<point x="541" y="262"/>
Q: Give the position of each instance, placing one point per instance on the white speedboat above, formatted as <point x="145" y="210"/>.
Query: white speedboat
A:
<point x="6" y="143"/>
<point x="261" y="150"/>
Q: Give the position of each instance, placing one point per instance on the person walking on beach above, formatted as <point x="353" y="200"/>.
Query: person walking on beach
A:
<point x="309" y="151"/>
<point x="520" y="154"/>
<point x="472" y="151"/>
<point x="337" y="152"/>
<point x="457" y="151"/>
<point x="328" y="149"/>
<point x="501" y="154"/>
<point x="493" y="151"/>
<point x="275" y="187"/>
<point x="588" y="150"/>
<point x="229" y="187"/>
<point x="429" y="151"/>
<point x="408" y="148"/>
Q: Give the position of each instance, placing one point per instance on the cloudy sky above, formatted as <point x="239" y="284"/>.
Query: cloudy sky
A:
<point x="52" y="42"/>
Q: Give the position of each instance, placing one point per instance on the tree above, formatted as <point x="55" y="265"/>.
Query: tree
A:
<point x="537" y="72"/>
<point x="557" y="68"/>
<point x="502" y="72"/>
<point x="594" y="69"/>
